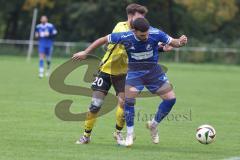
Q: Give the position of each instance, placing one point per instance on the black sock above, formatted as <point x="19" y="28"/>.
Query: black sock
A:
<point x="118" y="128"/>
<point x="48" y="64"/>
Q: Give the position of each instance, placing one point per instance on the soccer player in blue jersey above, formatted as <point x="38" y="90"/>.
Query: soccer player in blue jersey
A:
<point x="45" y="32"/>
<point x="141" y="45"/>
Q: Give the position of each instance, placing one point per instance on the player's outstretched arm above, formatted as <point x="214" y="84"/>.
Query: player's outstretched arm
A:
<point x="165" y="48"/>
<point x="83" y="54"/>
<point x="179" y="42"/>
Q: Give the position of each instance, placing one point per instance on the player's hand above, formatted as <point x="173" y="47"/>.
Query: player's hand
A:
<point x="80" y="55"/>
<point x="167" y="48"/>
<point x="36" y="35"/>
<point x="183" y="40"/>
<point x="46" y="34"/>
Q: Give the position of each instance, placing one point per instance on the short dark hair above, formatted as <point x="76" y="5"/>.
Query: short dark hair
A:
<point x="141" y="24"/>
<point x="134" y="7"/>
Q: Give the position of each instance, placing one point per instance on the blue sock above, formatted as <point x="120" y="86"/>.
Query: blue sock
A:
<point x="129" y="111"/>
<point x="163" y="109"/>
<point x="41" y="64"/>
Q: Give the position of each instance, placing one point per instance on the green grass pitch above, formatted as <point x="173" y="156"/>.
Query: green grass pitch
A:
<point x="29" y="129"/>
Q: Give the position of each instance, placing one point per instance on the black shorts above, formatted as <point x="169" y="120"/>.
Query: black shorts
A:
<point x="104" y="81"/>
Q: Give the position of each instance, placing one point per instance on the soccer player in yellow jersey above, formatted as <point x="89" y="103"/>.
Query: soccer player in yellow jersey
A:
<point x="112" y="71"/>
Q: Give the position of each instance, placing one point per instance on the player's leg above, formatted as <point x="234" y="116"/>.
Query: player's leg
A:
<point x="131" y="93"/>
<point x="94" y="108"/>
<point x="119" y="86"/>
<point x="168" y="101"/>
<point x="167" y="94"/>
<point x="41" y="61"/>
<point x="48" y="53"/>
<point x="100" y="87"/>
<point x="157" y="83"/>
<point x="133" y="86"/>
<point x="120" y="121"/>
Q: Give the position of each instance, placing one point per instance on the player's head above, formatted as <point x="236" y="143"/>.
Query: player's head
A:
<point x="135" y="11"/>
<point x="135" y="8"/>
<point x="140" y="28"/>
<point x="44" y="19"/>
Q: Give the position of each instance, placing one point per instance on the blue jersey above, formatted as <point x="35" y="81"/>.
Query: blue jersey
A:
<point x="141" y="51"/>
<point x="46" y="33"/>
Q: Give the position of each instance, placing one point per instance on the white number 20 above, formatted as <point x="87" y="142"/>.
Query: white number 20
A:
<point x="98" y="81"/>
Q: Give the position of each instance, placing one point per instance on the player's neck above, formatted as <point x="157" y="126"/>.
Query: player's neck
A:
<point x="129" y="23"/>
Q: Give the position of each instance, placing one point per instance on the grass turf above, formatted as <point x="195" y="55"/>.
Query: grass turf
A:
<point x="29" y="129"/>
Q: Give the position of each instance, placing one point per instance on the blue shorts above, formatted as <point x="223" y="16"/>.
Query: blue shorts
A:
<point x="47" y="51"/>
<point x="152" y="79"/>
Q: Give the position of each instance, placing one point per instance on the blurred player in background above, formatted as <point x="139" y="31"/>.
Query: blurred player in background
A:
<point x="45" y="32"/>
<point x="141" y="46"/>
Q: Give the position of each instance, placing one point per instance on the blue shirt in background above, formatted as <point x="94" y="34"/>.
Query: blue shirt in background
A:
<point x="46" y="33"/>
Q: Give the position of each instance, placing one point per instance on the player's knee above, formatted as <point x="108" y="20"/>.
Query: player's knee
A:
<point x="165" y="90"/>
<point x="130" y="101"/>
<point x="41" y="56"/>
<point x="95" y="105"/>
<point x="168" y="95"/>
<point x="121" y="102"/>
<point x="94" y="109"/>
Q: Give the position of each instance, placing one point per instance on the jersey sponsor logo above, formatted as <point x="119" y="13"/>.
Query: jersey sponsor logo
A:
<point x="142" y="55"/>
<point x="44" y="33"/>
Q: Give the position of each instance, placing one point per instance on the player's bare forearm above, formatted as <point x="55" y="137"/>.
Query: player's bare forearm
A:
<point x="165" y="48"/>
<point x="176" y="43"/>
<point x="99" y="42"/>
<point x="83" y="54"/>
<point x="179" y="42"/>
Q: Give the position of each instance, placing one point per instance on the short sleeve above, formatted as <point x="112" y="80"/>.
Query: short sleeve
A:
<point x="37" y="29"/>
<point x="54" y="30"/>
<point x="115" y="37"/>
<point x="163" y="37"/>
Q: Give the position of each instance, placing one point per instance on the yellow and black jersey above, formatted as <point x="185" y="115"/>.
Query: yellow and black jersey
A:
<point x="115" y="60"/>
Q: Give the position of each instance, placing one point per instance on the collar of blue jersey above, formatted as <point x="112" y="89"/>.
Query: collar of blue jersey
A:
<point x="136" y="37"/>
<point x="45" y="24"/>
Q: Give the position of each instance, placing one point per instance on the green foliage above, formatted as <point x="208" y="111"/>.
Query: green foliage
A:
<point x="80" y="20"/>
<point x="214" y="12"/>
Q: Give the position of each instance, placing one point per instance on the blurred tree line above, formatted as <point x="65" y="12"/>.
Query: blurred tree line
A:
<point x="207" y="21"/>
